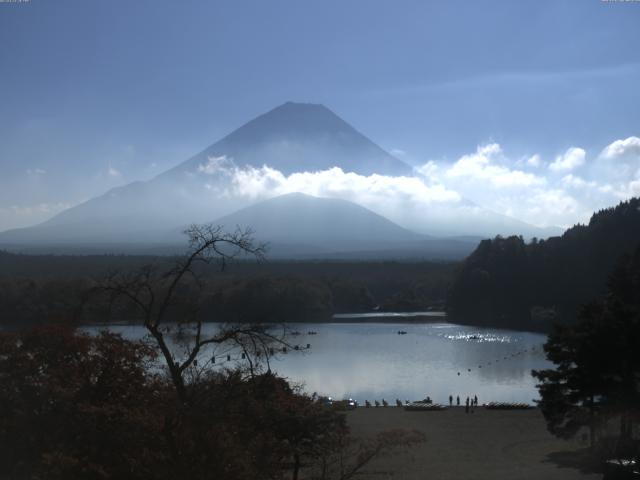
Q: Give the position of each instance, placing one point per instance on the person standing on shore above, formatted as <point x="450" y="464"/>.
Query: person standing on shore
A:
<point x="466" y="407"/>
<point x="475" y="400"/>
<point x="450" y="400"/>
<point x="458" y="400"/>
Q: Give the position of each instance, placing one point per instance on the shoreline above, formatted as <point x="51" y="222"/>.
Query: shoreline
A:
<point x="367" y="317"/>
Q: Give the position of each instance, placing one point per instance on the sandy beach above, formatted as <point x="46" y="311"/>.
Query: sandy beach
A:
<point x="488" y="444"/>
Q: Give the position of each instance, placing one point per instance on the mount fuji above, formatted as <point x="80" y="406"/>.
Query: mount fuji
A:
<point x="291" y="138"/>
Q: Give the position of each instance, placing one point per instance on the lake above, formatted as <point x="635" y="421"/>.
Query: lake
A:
<point x="372" y="361"/>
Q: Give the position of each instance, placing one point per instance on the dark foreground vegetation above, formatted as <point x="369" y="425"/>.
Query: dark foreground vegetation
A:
<point x="507" y="282"/>
<point x="81" y="407"/>
<point x="596" y="384"/>
<point x="74" y="406"/>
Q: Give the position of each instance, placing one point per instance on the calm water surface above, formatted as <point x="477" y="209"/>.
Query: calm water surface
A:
<point x="372" y="361"/>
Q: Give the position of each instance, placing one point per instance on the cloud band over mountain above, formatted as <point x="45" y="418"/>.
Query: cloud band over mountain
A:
<point x="559" y="191"/>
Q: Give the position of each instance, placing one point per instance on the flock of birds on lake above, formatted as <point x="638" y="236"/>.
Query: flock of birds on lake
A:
<point x="425" y="405"/>
<point x="506" y="357"/>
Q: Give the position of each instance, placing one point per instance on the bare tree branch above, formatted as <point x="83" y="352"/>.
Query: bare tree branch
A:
<point x="154" y="294"/>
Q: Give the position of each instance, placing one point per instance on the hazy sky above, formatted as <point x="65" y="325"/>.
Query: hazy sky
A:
<point x="95" y="94"/>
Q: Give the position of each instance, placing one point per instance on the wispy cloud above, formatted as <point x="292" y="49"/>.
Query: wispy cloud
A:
<point x="17" y="216"/>
<point x="509" y="77"/>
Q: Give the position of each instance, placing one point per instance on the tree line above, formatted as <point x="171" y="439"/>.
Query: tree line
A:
<point x="511" y="283"/>
<point x="49" y="288"/>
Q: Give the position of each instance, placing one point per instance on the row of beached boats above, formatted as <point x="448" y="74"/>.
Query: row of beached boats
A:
<point x="428" y="406"/>
<point x="507" y="406"/>
<point x="424" y="407"/>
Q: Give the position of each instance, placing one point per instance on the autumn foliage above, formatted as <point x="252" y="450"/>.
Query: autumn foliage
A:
<point x="75" y="406"/>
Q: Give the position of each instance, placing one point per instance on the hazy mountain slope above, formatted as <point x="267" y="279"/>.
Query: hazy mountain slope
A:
<point x="467" y="218"/>
<point x="298" y="137"/>
<point x="290" y="137"/>
<point x="303" y="226"/>
<point x="329" y="223"/>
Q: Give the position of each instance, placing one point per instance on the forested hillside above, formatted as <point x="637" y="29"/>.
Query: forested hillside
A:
<point x="509" y="283"/>
<point x="38" y="289"/>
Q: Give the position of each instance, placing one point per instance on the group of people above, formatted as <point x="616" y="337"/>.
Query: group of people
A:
<point x="470" y="403"/>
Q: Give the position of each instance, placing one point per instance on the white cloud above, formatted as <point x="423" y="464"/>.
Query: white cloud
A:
<point x="429" y="170"/>
<point x="406" y="200"/>
<point x="482" y="166"/>
<point x="573" y="158"/>
<point x="439" y="193"/>
<point x="516" y="178"/>
<point x="554" y="203"/>
<point x="112" y="172"/>
<point x="621" y="148"/>
<point x="573" y="181"/>
<point x="534" y="161"/>
<point x="367" y="190"/>
<point x="618" y="167"/>
<point x="398" y="152"/>
<point x="492" y="179"/>
<point x="215" y="165"/>
<point x="36" y="171"/>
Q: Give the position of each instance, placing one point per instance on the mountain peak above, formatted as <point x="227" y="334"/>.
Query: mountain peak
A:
<point x="301" y="105"/>
<point x="299" y="137"/>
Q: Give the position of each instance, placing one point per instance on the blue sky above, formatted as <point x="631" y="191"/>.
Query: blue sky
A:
<point x="97" y="94"/>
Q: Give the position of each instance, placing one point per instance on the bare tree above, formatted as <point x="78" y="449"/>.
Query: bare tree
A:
<point x="154" y="296"/>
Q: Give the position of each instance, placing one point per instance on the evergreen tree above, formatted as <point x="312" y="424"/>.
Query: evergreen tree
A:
<point x="597" y="375"/>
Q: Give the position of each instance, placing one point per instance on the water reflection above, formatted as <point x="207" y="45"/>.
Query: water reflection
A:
<point x="367" y="361"/>
<point x="372" y="361"/>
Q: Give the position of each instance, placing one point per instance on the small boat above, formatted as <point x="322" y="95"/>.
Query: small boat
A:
<point x="401" y="332"/>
